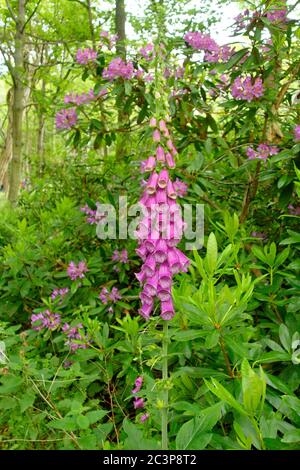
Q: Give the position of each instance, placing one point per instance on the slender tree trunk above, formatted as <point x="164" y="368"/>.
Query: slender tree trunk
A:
<point x="18" y="105"/>
<point x="90" y="14"/>
<point x="6" y="154"/>
<point x="120" y="21"/>
<point x="41" y="133"/>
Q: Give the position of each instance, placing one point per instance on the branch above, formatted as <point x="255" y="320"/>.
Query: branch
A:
<point x="11" y="11"/>
<point x="7" y="62"/>
<point x="80" y="3"/>
<point x="286" y="86"/>
<point x="30" y="16"/>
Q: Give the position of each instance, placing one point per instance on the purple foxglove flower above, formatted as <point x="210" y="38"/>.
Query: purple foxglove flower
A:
<point x="149" y="266"/>
<point x="152" y="183"/>
<point x="164" y="276"/>
<point x="143" y="230"/>
<point x="183" y="260"/>
<point x="146" y="299"/>
<point x="163" y="179"/>
<point x="144" y="417"/>
<point x="145" y="310"/>
<point x="170" y="160"/>
<point x="161" y="251"/>
<point x="138" y="403"/>
<point x="160" y="154"/>
<point x="167" y="310"/>
<point x="141" y="251"/>
<point x="150" y="287"/>
<point x="164" y="295"/>
<point x="141" y="276"/>
<point x="156" y="136"/>
<point x="173" y="261"/>
<point x="163" y="126"/>
<point x="170" y="144"/>
<point x="161" y="196"/>
<point x="150" y="244"/>
<point x="150" y="163"/>
<point x="138" y="385"/>
<point x="143" y="166"/>
<point x="170" y="190"/>
<point x="152" y="122"/>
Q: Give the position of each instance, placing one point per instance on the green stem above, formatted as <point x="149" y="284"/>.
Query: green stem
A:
<point x="164" y="412"/>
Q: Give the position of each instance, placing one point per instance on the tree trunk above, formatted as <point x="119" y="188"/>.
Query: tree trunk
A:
<point x="120" y="20"/>
<point x="90" y="15"/>
<point x="18" y="105"/>
<point x="41" y="133"/>
<point x="6" y="154"/>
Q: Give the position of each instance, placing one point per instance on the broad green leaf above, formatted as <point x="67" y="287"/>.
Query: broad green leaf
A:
<point x="135" y="439"/>
<point x="83" y="422"/>
<point x="8" y="403"/>
<point x="253" y="387"/>
<point x="65" y="424"/>
<point x="27" y="401"/>
<point x="193" y="434"/>
<point x="292" y="436"/>
<point x="217" y="389"/>
<point x="258" y="253"/>
<point x="285" y="337"/>
<point x="212" y="339"/>
<point x="212" y="253"/>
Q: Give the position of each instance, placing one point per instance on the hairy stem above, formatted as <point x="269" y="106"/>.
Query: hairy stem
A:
<point x="164" y="412"/>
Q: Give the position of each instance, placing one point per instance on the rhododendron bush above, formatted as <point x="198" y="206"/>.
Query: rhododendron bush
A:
<point x="149" y="292"/>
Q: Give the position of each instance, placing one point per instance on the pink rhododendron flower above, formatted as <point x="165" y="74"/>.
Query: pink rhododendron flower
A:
<point x="46" y="319"/>
<point x="118" y="69"/>
<point x="277" y="16"/>
<point x="201" y="41"/>
<point x="246" y="89"/>
<point x="66" y="118"/>
<point x="222" y="54"/>
<point x="73" y="333"/>
<point x="297" y="133"/>
<point x="59" y="293"/>
<point x="84" y="56"/>
<point x="262" y="152"/>
<point x="77" y="271"/>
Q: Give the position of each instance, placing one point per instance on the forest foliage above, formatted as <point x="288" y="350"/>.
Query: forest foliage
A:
<point x="80" y="367"/>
